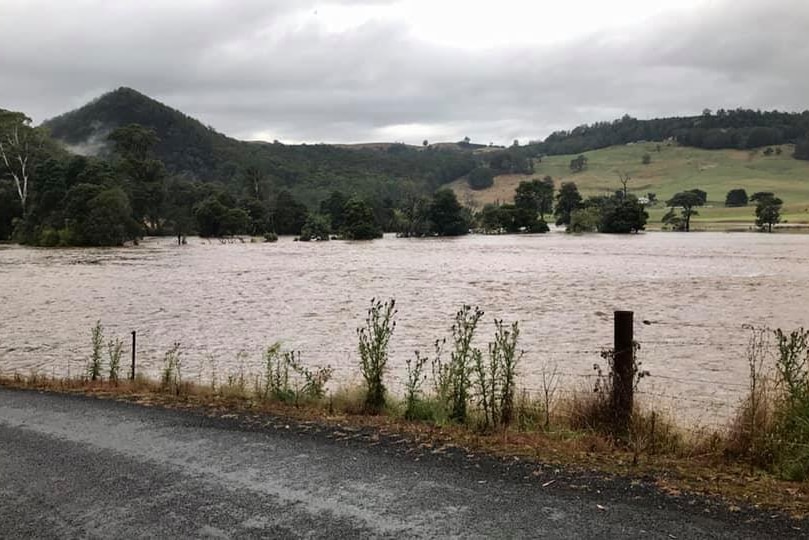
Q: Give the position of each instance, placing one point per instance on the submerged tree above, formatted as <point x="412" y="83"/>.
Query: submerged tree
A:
<point x="768" y="210"/>
<point x="533" y="199"/>
<point x="688" y="201"/>
<point x="567" y="200"/>
<point x="447" y="215"/>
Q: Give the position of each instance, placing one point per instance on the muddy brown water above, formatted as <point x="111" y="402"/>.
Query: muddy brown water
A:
<point x="225" y="302"/>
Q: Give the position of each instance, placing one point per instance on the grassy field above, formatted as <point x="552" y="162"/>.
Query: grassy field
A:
<point x="673" y="169"/>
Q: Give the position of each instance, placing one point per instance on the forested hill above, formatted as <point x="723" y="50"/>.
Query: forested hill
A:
<point x="185" y="144"/>
<point x="393" y="171"/>
<point x="188" y="147"/>
<point x="738" y="129"/>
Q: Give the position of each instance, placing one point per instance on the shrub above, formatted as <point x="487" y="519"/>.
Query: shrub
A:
<point x="373" y="351"/>
<point x="95" y="365"/>
<point x="596" y="411"/>
<point x="48" y="237"/>
<point x="481" y="178"/>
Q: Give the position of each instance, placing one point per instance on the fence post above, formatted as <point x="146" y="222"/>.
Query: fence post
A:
<point x="623" y="371"/>
<point x="132" y="373"/>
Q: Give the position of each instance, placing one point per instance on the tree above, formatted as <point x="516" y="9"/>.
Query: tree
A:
<point x="688" y="201"/>
<point x="134" y="142"/>
<point x="210" y="217"/>
<point x="181" y="197"/>
<point x="317" y="227"/>
<point x="672" y="220"/>
<point x="736" y="197"/>
<point x="584" y="220"/>
<point x="18" y="144"/>
<point x="109" y="220"/>
<point x="703" y="196"/>
<point x="624" y="178"/>
<point x="567" y="200"/>
<point x="647" y="158"/>
<point x="289" y="215"/>
<point x="446" y="214"/>
<point x="258" y="214"/>
<point x="359" y="221"/>
<point x="145" y="176"/>
<point x="768" y="210"/>
<point x="801" y="150"/>
<point x="622" y="215"/>
<point x="533" y="199"/>
<point x="578" y="164"/>
<point x="97" y="216"/>
<point x="10" y="209"/>
<point x="491" y="219"/>
<point x="481" y="178"/>
<point x="334" y="208"/>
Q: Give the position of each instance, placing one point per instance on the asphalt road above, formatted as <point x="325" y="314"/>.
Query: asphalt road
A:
<point x="80" y="467"/>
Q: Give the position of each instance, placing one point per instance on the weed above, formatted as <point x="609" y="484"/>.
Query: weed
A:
<point x="95" y="366"/>
<point x="314" y="380"/>
<point x="453" y="379"/>
<point x="171" y="375"/>
<point x="276" y="375"/>
<point x="550" y="382"/>
<point x="598" y="411"/>
<point x="750" y="434"/>
<point x="373" y="350"/>
<point x="114" y="349"/>
<point x="792" y="404"/>
<point x="415" y="378"/>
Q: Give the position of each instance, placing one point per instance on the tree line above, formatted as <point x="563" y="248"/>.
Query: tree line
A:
<point x="50" y="197"/>
<point x="724" y="129"/>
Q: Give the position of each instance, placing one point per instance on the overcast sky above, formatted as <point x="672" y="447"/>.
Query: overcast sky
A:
<point x="407" y="70"/>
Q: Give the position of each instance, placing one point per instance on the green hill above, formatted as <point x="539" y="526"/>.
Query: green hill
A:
<point x="672" y="169"/>
<point x="189" y="148"/>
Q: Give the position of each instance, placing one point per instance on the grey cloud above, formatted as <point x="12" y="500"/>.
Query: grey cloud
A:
<point x="242" y="71"/>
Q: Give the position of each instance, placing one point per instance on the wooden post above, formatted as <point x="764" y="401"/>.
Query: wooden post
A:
<point x="623" y="371"/>
<point x="132" y="373"/>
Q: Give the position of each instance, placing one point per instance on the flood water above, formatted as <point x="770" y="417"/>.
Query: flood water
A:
<point x="229" y="301"/>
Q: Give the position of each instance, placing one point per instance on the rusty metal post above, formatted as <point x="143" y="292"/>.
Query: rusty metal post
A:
<point x="132" y="373"/>
<point x="623" y="371"/>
